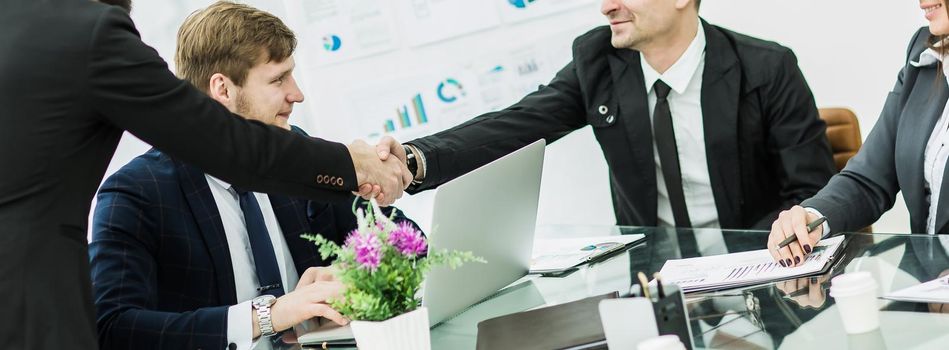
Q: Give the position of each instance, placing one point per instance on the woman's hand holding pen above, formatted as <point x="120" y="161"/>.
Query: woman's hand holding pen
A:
<point x="793" y="222"/>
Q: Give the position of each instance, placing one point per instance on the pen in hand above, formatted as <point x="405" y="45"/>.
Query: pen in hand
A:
<point x="810" y="227"/>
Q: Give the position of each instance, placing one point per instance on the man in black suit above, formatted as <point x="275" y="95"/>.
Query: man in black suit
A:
<point x="73" y="75"/>
<point x="700" y="126"/>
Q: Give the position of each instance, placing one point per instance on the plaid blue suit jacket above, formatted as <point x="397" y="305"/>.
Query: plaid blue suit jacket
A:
<point x="161" y="268"/>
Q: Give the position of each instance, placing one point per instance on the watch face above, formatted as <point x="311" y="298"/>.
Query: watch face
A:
<point x="264" y="300"/>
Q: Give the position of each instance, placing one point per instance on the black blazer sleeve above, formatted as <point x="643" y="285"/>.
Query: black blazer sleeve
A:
<point x="867" y="187"/>
<point x="549" y="113"/>
<point x="131" y="86"/>
<point x="800" y="151"/>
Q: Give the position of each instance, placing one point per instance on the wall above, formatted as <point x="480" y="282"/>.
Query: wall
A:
<point x="849" y="54"/>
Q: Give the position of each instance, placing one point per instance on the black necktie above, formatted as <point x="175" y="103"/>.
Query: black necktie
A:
<point x="268" y="273"/>
<point x="668" y="154"/>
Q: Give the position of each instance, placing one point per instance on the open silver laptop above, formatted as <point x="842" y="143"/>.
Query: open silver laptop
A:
<point x="490" y="211"/>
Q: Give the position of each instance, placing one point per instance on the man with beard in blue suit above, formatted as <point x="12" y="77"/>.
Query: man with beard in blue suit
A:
<point x="182" y="259"/>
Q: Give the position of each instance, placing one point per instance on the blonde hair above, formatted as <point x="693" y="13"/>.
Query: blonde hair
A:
<point x="229" y="38"/>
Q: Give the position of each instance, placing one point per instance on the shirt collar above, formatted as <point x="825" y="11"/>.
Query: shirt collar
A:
<point x="927" y="58"/>
<point x="220" y="182"/>
<point x="930" y="57"/>
<point x="682" y="71"/>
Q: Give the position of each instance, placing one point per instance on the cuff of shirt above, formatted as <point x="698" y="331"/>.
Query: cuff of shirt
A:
<point x="422" y="166"/>
<point x="240" y="328"/>
<point x="825" y="226"/>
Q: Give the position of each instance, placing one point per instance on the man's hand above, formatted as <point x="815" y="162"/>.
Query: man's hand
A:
<point x="793" y="222"/>
<point x="388" y="146"/>
<point x="372" y="171"/>
<point x="317" y="274"/>
<point x="305" y="302"/>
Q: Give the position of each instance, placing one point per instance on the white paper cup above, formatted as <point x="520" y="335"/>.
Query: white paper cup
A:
<point x="662" y="342"/>
<point x="856" y="297"/>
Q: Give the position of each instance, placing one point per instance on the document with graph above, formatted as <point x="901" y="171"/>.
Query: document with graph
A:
<point x="734" y="270"/>
<point x="935" y="291"/>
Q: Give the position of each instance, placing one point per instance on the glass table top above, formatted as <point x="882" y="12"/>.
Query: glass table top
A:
<point x="787" y="314"/>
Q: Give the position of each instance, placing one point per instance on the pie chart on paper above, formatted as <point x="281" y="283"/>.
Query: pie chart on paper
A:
<point x="332" y="42"/>
<point x="520" y="3"/>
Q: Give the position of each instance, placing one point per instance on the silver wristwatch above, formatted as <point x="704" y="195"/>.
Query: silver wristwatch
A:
<point x="262" y="305"/>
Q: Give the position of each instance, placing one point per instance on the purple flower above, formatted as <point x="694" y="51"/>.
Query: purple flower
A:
<point x="368" y="249"/>
<point x="407" y="240"/>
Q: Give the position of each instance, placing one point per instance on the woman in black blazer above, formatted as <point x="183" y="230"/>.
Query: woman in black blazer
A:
<point x="906" y="151"/>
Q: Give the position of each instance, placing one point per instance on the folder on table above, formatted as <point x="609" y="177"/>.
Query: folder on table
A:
<point x="734" y="270"/>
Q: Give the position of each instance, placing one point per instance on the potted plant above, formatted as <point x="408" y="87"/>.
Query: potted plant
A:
<point x="382" y="264"/>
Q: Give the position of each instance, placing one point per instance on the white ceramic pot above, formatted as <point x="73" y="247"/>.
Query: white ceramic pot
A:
<point x="408" y="331"/>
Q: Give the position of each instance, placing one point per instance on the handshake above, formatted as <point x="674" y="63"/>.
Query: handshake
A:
<point x="381" y="171"/>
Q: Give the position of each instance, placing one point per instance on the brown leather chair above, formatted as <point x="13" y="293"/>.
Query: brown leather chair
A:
<point x="843" y="131"/>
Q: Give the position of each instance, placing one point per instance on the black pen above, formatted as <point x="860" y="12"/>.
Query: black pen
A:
<point x="810" y="227"/>
<point x="333" y="345"/>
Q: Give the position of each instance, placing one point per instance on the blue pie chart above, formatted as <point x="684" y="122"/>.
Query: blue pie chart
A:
<point x="332" y="42"/>
<point x="520" y="3"/>
<point x="450" y="90"/>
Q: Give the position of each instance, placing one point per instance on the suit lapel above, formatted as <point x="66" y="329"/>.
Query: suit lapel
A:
<point x="721" y="89"/>
<point x="194" y="185"/>
<point x="630" y="91"/>
<point x="292" y="216"/>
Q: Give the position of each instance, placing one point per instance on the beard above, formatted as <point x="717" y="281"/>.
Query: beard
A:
<point x="243" y="106"/>
<point x="124" y="4"/>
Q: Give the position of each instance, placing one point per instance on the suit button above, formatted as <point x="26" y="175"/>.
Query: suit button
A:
<point x="603" y="110"/>
<point x="232" y="346"/>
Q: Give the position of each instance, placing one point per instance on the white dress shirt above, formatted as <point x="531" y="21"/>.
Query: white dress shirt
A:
<point x="239" y="317"/>
<point x="685" y="104"/>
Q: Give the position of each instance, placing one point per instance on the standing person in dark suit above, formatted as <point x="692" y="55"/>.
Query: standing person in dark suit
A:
<point x="906" y="151"/>
<point x="176" y="259"/>
<point x="73" y="75"/>
<point x="700" y="126"/>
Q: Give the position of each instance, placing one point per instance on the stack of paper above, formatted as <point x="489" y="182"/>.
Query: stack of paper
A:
<point x="935" y="291"/>
<point x="560" y="254"/>
<point x="743" y="269"/>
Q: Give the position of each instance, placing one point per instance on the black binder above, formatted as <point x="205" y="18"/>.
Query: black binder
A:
<point x="573" y="325"/>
